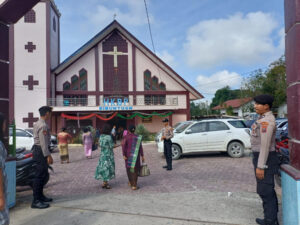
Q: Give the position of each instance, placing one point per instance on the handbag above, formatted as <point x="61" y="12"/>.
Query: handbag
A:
<point x="144" y="170"/>
<point x="94" y="147"/>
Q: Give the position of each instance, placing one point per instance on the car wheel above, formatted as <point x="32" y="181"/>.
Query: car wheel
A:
<point x="235" y="149"/>
<point x="176" y="151"/>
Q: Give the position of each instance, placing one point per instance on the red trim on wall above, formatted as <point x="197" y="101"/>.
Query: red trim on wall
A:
<point x="11" y="87"/>
<point x="171" y="120"/>
<point x="292" y="171"/>
<point x="134" y="73"/>
<point x="97" y="73"/>
<point x="188" y="115"/>
<point x="121" y="93"/>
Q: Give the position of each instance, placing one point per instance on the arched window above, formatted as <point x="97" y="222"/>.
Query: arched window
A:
<point x="30" y="16"/>
<point x="154" y="83"/>
<point x="147" y="80"/>
<point x="54" y="24"/>
<point x="83" y="79"/>
<point x="66" y="86"/>
<point x="74" y="82"/>
<point x="162" y="86"/>
<point x="82" y="72"/>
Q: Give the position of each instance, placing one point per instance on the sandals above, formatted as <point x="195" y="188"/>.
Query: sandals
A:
<point x="106" y="186"/>
<point x="134" y="188"/>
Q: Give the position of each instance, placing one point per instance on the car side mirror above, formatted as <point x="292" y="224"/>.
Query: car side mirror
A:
<point x="188" y="131"/>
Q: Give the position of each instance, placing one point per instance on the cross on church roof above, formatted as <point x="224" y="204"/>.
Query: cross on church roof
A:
<point x="115" y="53"/>
<point x="30" y="119"/>
<point x="30" y="82"/>
<point x="30" y="46"/>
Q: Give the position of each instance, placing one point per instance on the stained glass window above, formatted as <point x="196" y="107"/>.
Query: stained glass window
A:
<point x="66" y="86"/>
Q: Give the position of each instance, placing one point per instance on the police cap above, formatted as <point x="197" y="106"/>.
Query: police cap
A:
<point x="264" y="100"/>
<point x="165" y="120"/>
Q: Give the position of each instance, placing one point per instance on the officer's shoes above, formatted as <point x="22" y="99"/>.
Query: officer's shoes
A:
<point x="169" y="169"/>
<point x="165" y="167"/>
<point x="39" y="205"/>
<point x="266" y="222"/>
<point x="45" y="199"/>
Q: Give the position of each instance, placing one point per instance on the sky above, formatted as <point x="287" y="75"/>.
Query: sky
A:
<point x="209" y="43"/>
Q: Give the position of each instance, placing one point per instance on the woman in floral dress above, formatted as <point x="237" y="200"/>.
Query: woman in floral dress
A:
<point x="105" y="170"/>
<point x="4" y="217"/>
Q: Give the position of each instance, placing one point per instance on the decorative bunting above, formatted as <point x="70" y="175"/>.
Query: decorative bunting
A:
<point x="142" y="115"/>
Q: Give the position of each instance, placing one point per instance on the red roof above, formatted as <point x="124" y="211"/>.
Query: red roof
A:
<point x="234" y="103"/>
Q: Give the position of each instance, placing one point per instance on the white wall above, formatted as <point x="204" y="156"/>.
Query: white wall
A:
<point x="282" y="111"/>
<point x="143" y="63"/>
<point x="54" y="38"/>
<point x="30" y="63"/>
<point x="87" y="62"/>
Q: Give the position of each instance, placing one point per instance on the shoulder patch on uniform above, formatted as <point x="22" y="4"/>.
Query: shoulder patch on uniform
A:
<point x="264" y="123"/>
<point x="45" y="132"/>
<point x="264" y="127"/>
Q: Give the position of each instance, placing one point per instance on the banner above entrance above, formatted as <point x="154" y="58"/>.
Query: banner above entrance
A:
<point x="115" y="104"/>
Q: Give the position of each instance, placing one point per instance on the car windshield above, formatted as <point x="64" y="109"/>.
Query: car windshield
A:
<point x="281" y="125"/>
<point x="237" y="123"/>
<point x="182" y="127"/>
<point x="30" y="131"/>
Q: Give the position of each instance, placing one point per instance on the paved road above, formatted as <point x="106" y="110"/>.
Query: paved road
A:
<point x="194" y="192"/>
<point x="212" y="172"/>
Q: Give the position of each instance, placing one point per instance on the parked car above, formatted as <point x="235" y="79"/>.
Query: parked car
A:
<point x="283" y="132"/>
<point x="24" y="139"/>
<point x="280" y="122"/>
<point x="210" y="135"/>
<point x="53" y="140"/>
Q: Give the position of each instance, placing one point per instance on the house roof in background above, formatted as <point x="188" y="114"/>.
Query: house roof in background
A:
<point x="234" y="103"/>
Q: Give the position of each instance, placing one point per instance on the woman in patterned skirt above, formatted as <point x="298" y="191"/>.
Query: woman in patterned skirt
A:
<point x="4" y="217"/>
<point x="63" y="139"/>
<point x="105" y="170"/>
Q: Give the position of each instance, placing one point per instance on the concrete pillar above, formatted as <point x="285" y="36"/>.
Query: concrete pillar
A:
<point x="291" y="173"/>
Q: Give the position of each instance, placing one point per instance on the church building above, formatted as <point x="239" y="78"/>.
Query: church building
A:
<point x="113" y="78"/>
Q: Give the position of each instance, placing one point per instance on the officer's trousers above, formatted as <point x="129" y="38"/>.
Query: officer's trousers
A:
<point x="265" y="187"/>
<point x="41" y="173"/>
<point x="168" y="152"/>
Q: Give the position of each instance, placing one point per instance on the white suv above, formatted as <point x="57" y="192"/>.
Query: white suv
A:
<point x="24" y="139"/>
<point x="210" y="135"/>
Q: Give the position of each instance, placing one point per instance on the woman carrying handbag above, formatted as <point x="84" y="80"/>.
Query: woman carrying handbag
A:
<point x="132" y="152"/>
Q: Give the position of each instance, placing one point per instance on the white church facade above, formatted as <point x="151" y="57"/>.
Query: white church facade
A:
<point x="113" y="78"/>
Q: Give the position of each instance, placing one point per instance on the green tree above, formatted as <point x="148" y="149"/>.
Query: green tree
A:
<point x="275" y="82"/>
<point x="224" y="94"/>
<point x="272" y="81"/>
<point x="229" y="111"/>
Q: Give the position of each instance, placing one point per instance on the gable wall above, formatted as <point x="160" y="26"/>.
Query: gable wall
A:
<point x="143" y="63"/>
<point x="87" y="62"/>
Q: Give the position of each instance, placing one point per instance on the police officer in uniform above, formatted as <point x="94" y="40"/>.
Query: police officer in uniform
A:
<point x="265" y="161"/>
<point x="167" y="134"/>
<point x="42" y="158"/>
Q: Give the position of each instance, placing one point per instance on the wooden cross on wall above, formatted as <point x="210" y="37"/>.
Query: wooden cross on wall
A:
<point x="30" y="82"/>
<point x="30" y="119"/>
<point x="115" y="53"/>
